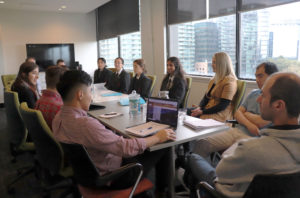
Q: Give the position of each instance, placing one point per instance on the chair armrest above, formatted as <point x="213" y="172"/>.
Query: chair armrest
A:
<point x="232" y="121"/>
<point x="119" y="172"/>
<point x="209" y="191"/>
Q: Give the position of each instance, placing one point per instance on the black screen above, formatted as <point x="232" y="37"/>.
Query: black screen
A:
<point x="47" y="54"/>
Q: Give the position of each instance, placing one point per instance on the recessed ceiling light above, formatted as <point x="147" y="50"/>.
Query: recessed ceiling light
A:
<point x="2" y="1"/>
<point x="63" y="6"/>
<point x="59" y="9"/>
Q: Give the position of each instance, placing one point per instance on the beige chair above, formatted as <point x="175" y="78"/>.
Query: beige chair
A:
<point x="239" y="95"/>
<point x="153" y="78"/>
<point x="8" y="80"/>
<point x="187" y="93"/>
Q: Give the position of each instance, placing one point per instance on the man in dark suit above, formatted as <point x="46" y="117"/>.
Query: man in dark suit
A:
<point x="120" y="80"/>
<point x="102" y="74"/>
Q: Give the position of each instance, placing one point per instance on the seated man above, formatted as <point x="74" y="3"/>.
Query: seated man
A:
<point x="247" y="115"/>
<point x="276" y="151"/>
<point x="50" y="101"/>
<point x="107" y="150"/>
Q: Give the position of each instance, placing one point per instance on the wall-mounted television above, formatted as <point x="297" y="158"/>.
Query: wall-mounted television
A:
<point x="47" y="54"/>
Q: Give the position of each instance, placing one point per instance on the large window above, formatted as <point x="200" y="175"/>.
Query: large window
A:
<point x="129" y="49"/>
<point x="118" y="31"/>
<point x="270" y="34"/>
<point x="265" y="34"/>
<point x="195" y="42"/>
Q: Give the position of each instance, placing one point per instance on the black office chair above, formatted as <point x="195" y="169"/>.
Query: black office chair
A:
<point x="262" y="186"/>
<point x="91" y="184"/>
<point x="18" y="135"/>
<point x="49" y="153"/>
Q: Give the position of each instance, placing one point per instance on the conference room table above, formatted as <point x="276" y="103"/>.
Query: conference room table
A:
<point x="126" y="120"/>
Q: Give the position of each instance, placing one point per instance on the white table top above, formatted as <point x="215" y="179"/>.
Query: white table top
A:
<point x="120" y="123"/>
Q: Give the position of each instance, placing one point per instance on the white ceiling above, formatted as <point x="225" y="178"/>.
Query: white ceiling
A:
<point x="72" y="6"/>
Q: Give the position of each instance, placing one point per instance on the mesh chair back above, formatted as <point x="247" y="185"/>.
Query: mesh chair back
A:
<point x="85" y="173"/>
<point x="49" y="152"/>
<point x="187" y="93"/>
<point x="275" y="186"/>
<point x="153" y="78"/>
<point x="8" y="80"/>
<point x="239" y="95"/>
<point x="16" y="127"/>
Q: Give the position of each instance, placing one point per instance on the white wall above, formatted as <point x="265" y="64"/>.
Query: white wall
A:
<point x="20" y="27"/>
<point x="153" y="31"/>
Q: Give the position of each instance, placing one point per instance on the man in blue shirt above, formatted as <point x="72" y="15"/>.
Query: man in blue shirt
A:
<point x="247" y="115"/>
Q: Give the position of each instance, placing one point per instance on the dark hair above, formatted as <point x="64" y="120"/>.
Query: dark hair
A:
<point x="59" y="61"/>
<point x="179" y="72"/>
<point x="141" y="63"/>
<point x="25" y="68"/>
<point x="270" y="68"/>
<point x="287" y="89"/>
<point x="122" y="60"/>
<point x="28" y="58"/>
<point x="70" y="80"/>
<point x="103" y="59"/>
<point x="53" y="74"/>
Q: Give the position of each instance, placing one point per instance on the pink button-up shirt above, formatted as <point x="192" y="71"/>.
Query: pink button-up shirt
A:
<point x="106" y="149"/>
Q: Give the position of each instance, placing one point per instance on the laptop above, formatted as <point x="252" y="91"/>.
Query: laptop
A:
<point x="161" y="114"/>
<point x="164" y="111"/>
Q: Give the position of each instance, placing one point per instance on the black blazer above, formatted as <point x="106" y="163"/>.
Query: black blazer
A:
<point x="119" y="83"/>
<point x="102" y="77"/>
<point x="177" y="91"/>
<point x="25" y="94"/>
<point x="141" y="86"/>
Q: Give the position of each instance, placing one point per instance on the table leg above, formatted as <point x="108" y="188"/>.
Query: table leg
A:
<point x="171" y="154"/>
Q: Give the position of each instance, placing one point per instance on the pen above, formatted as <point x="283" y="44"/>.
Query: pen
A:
<point x="111" y="113"/>
<point x="146" y="129"/>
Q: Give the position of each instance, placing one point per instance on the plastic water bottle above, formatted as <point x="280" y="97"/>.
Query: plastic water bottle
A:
<point x="134" y="103"/>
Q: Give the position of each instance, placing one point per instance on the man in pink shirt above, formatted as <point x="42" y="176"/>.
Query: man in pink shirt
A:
<point x="107" y="150"/>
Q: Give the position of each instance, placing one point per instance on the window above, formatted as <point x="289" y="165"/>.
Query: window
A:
<point x="270" y="34"/>
<point x="130" y="49"/>
<point x="194" y="43"/>
<point x="269" y="31"/>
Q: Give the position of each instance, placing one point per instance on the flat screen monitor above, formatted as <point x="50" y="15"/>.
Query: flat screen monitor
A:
<point x="47" y="54"/>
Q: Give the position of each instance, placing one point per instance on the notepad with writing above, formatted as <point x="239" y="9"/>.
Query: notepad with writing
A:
<point x="146" y="129"/>
<point x="197" y="123"/>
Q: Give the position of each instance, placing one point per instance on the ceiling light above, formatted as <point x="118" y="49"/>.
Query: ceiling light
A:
<point x="59" y="9"/>
<point x="63" y="7"/>
<point x="2" y="1"/>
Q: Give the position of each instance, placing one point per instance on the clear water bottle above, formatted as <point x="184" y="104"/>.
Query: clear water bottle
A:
<point x="134" y="103"/>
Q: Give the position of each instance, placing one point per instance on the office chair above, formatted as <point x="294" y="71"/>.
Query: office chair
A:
<point x="264" y="185"/>
<point x="239" y="95"/>
<point x="153" y="78"/>
<point x="49" y="153"/>
<point x="92" y="185"/>
<point x="18" y="134"/>
<point x="112" y="69"/>
<point x="8" y="80"/>
<point x="187" y="93"/>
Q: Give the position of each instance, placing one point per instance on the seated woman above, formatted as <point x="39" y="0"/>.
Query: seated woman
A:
<point x="25" y="83"/>
<point x="120" y="80"/>
<point x="140" y="83"/>
<point x="216" y="103"/>
<point x="102" y="74"/>
<point x="174" y="80"/>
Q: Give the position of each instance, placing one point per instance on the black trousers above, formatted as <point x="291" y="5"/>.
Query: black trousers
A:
<point x="159" y="160"/>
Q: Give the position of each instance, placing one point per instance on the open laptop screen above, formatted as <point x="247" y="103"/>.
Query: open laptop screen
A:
<point x="163" y="111"/>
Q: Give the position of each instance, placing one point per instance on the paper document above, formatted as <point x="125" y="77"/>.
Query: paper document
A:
<point x="146" y="129"/>
<point x="197" y="123"/>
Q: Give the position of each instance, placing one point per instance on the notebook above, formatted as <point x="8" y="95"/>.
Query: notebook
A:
<point x="161" y="114"/>
<point x="197" y="123"/>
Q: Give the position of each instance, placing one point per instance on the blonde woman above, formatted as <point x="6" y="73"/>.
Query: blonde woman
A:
<point x="216" y="103"/>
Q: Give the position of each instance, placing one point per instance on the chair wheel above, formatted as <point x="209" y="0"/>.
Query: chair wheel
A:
<point x="10" y="190"/>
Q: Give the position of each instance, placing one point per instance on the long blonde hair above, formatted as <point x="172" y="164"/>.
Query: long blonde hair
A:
<point x="223" y="66"/>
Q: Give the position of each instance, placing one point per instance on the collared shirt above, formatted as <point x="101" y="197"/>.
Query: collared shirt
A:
<point x="106" y="149"/>
<point x="119" y="72"/>
<point x="170" y="82"/>
<point x="49" y="104"/>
